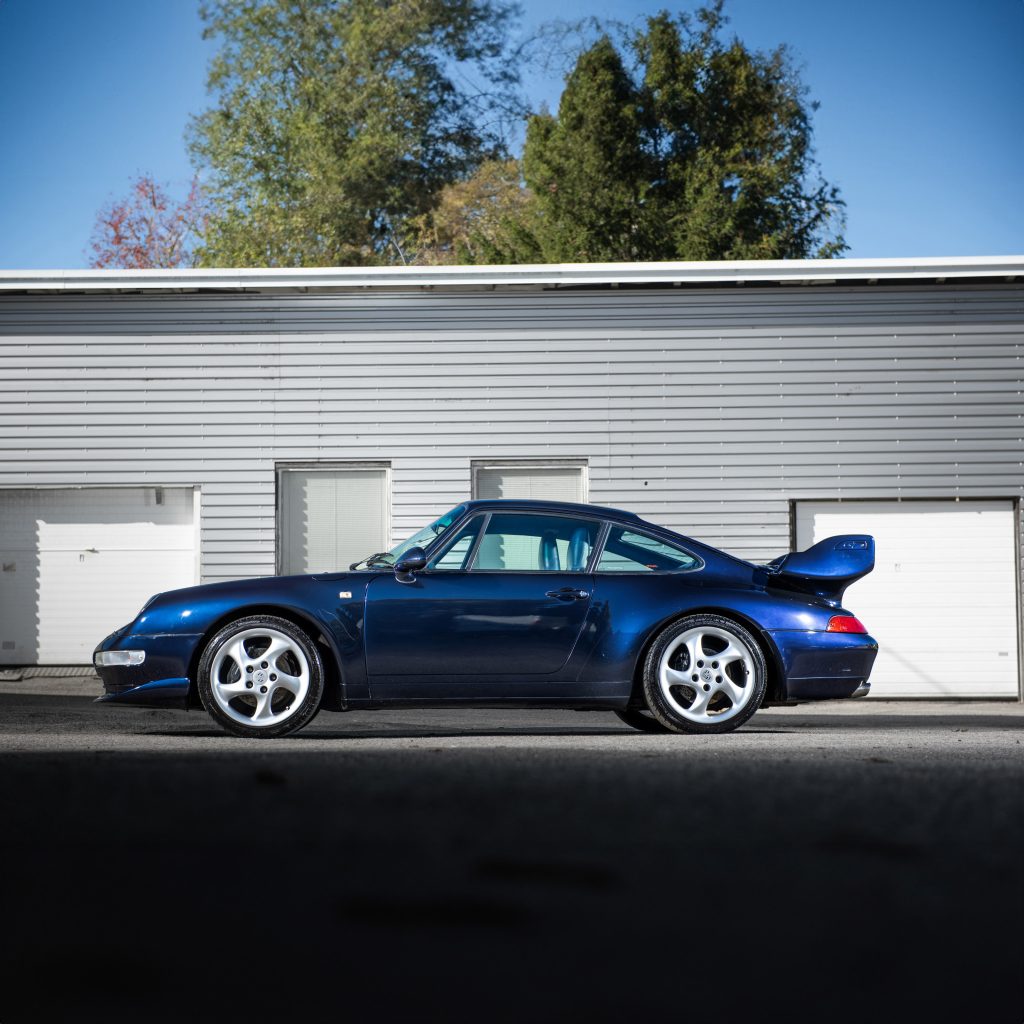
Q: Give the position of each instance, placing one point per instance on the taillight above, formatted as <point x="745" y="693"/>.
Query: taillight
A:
<point x="846" y="624"/>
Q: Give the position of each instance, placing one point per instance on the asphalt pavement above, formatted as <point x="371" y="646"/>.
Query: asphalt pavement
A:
<point x="862" y="861"/>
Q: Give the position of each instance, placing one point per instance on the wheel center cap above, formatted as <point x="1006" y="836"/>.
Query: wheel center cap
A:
<point x="706" y="675"/>
<point x="260" y="677"/>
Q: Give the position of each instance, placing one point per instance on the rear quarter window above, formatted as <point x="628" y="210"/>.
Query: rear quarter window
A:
<point x="629" y="551"/>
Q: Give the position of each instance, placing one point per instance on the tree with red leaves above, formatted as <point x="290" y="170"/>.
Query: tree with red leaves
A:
<point x="149" y="229"/>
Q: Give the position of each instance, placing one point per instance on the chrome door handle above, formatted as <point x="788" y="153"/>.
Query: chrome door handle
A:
<point x="568" y="594"/>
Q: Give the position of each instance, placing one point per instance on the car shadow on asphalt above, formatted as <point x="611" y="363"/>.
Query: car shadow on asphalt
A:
<point x="429" y="734"/>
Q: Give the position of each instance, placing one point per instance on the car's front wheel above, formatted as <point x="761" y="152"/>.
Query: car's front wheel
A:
<point x="261" y="676"/>
<point x="704" y="674"/>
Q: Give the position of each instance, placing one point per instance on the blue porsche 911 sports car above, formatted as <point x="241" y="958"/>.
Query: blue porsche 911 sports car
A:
<point x="510" y="604"/>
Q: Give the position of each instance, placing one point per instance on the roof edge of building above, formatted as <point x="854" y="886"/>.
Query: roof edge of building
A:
<point x="556" y="275"/>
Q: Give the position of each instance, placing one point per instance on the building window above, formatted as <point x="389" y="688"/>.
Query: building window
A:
<point x="331" y="514"/>
<point x="548" y="480"/>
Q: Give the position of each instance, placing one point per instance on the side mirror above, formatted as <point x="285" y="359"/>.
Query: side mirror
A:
<point x="412" y="561"/>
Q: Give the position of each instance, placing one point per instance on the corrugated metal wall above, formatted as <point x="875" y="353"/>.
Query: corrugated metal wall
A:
<point x="706" y="410"/>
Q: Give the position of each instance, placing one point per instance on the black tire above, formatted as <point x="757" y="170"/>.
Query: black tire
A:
<point x="750" y="682"/>
<point x="288" y="718"/>
<point x="642" y="720"/>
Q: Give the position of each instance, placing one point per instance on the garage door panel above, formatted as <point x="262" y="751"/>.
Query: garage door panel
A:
<point x="80" y="562"/>
<point x="942" y="600"/>
<point x="126" y="536"/>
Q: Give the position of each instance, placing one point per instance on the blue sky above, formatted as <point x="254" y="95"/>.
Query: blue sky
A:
<point x="921" y="122"/>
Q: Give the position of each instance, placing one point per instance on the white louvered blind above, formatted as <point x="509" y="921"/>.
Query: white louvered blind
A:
<point x="544" y="483"/>
<point x="332" y="517"/>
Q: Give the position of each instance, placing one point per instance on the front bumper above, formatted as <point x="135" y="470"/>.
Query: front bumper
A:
<point x="160" y="681"/>
<point x="824" y="666"/>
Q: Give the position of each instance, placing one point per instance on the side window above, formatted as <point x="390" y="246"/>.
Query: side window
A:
<point x="626" y="551"/>
<point x="520" y="541"/>
<point x="455" y="554"/>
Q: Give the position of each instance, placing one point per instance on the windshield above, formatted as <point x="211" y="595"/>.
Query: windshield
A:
<point x="426" y="536"/>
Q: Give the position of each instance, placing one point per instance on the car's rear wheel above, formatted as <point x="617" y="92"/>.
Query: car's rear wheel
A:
<point x="704" y="674"/>
<point x="642" y="720"/>
<point x="261" y="676"/>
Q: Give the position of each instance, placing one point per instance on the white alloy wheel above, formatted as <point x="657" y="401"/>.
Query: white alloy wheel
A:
<point x="259" y="677"/>
<point x="704" y="674"/>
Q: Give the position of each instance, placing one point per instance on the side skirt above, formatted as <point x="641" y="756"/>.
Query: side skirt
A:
<point x="532" y="704"/>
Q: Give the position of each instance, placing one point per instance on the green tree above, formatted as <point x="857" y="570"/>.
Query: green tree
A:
<point x="588" y="168"/>
<point x="335" y="121"/>
<point x="701" y="151"/>
<point x="488" y="218"/>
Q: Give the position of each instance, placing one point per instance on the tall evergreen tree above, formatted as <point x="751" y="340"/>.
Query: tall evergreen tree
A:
<point x="702" y="153"/>
<point x="337" y="120"/>
<point x="588" y="167"/>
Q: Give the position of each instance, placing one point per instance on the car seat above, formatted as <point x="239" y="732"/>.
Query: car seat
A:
<point x="549" y="551"/>
<point x="579" y="549"/>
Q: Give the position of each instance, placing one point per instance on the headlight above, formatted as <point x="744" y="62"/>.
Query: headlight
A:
<point x="103" y="659"/>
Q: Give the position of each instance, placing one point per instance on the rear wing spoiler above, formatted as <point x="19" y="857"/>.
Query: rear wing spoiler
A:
<point x="827" y="568"/>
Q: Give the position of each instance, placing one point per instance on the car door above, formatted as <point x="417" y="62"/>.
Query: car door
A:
<point x="504" y="601"/>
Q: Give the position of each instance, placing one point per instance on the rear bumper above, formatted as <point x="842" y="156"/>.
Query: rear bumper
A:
<point x="161" y="681"/>
<point x="824" y="666"/>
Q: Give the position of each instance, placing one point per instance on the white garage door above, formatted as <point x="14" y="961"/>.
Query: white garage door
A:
<point x="942" y="600"/>
<point x="78" y="563"/>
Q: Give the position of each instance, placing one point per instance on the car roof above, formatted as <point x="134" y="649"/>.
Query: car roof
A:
<point x="553" y="506"/>
<point x="706" y="551"/>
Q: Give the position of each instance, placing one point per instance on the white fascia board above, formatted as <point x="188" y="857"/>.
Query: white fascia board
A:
<point x="533" y="275"/>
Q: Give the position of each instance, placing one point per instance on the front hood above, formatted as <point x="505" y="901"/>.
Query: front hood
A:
<point x="193" y="609"/>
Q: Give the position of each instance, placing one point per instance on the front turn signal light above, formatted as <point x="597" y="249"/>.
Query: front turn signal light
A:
<point x="104" y="659"/>
<point x="846" y="624"/>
